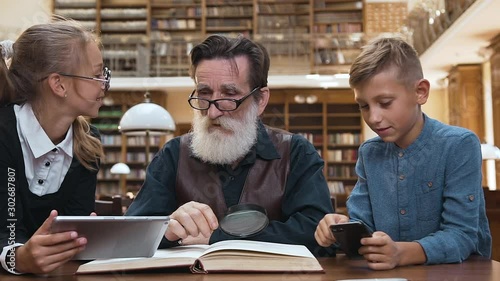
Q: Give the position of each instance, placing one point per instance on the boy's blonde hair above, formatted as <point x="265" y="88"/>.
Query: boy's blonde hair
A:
<point x="383" y="53"/>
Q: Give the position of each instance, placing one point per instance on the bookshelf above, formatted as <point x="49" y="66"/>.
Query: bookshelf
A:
<point x="121" y="148"/>
<point x="153" y="37"/>
<point x="337" y="31"/>
<point x="332" y="123"/>
<point x="175" y="27"/>
<point x="226" y="17"/>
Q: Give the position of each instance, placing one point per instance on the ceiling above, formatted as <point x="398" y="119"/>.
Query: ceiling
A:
<point x="459" y="44"/>
<point x="463" y="42"/>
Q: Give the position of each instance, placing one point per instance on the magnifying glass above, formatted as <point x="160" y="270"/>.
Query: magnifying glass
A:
<point x="244" y="220"/>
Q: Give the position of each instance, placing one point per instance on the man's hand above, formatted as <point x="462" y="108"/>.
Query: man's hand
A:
<point x="323" y="235"/>
<point x="44" y="252"/>
<point x="191" y="219"/>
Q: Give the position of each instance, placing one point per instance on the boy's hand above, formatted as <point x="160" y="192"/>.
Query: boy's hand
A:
<point x="323" y="235"/>
<point x="380" y="251"/>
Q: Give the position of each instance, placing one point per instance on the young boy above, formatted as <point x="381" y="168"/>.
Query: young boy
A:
<point x="419" y="181"/>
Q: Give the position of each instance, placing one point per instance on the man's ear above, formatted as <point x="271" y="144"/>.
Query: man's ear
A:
<point x="56" y="85"/>
<point x="422" y="91"/>
<point x="265" y="93"/>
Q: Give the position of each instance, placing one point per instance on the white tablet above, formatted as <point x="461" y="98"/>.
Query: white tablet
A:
<point x="114" y="236"/>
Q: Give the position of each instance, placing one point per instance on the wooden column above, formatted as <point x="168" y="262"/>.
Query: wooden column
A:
<point x="495" y="95"/>
<point x="466" y="101"/>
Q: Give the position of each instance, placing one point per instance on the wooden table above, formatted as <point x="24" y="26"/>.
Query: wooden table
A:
<point x="476" y="269"/>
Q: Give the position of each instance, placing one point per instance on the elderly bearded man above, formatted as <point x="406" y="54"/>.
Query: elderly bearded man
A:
<point x="231" y="157"/>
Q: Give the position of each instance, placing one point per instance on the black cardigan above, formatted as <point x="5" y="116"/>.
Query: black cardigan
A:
<point x="22" y="212"/>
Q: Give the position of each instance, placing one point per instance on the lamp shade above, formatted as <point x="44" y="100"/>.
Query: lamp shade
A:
<point x="489" y="151"/>
<point x="120" y="169"/>
<point x="144" y="117"/>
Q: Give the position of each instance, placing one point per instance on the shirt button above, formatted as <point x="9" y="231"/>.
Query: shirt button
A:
<point x="471" y="197"/>
<point x="231" y="178"/>
<point x="429" y="184"/>
<point x="402" y="211"/>
<point x="40" y="181"/>
<point x="401" y="154"/>
<point x="47" y="164"/>
<point x="401" y="177"/>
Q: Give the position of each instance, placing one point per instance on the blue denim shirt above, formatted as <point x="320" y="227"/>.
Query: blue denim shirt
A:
<point x="429" y="193"/>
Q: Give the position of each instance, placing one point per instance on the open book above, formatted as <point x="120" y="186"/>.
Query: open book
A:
<point x="224" y="256"/>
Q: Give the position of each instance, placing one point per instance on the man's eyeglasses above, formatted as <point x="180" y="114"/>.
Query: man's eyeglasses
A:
<point x="221" y="104"/>
<point x="106" y="74"/>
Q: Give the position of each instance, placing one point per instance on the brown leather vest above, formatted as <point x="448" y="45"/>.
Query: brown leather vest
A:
<point x="264" y="185"/>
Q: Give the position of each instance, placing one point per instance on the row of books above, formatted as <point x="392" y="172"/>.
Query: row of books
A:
<point x="344" y="138"/>
<point x="174" y="23"/>
<point x="341" y="171"/>
<point x="129" y="13"/>
<point x="174" y="2"/>
<point x="336" y="187"/>
<point x="177" y="12"/>
<point x="111" y="157"/>
<point x="338" y="17"/>
<point x="338" y="5"/>
<point x="284" y="21"/>
<point x="246" y="23"/>
<point x="336" y="28"/>
<point x="244" y="11"/>
<point x="312" y="138"/>
<point x="288" y="8"/>
<point x="75" y="3"/>
<point x="338" y="155"/>
<point x="138" y="156"/>
<point x="121" y="26"/>
<point x="111" y="139"/>
<point x="141" y="140"/>
<point x="78" y="14"/>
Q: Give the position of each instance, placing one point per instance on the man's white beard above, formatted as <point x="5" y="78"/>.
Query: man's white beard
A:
<point x="217" y="147"/>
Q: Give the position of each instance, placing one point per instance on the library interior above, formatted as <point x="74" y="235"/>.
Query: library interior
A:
<point x="311" y="43"/>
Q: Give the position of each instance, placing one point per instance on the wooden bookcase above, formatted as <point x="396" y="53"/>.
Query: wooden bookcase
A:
<point x="154" y="37"/>
<point x="336" y="30"/>
<point x="121" y="148"/>
<point x="332" y="124"/>
<point x="175" y="27"/>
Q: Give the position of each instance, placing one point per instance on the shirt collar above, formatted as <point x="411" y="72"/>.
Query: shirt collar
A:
<point x="36" y="137"/>
<point x="422" y="139"/>
<point x="265" y="148"/>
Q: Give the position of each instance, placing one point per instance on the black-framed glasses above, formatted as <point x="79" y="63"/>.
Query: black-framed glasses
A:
<point x="106" y="74"/>
<point x="221" y="104"/>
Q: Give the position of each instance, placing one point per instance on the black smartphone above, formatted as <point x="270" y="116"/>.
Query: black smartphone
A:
<point x="348" y="236"/>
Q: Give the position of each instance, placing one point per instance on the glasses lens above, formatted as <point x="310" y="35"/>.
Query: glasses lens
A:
<point x="200" y="103"/>
<point x="106" y="72"/>
<point x="227" y="105"/>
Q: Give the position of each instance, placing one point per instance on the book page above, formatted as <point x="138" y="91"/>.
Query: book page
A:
<point x="260" y="247"/>
<point x="173" y="257"/>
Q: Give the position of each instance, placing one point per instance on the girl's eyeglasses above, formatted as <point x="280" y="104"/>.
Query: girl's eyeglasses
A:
<point x="106" y="74"/>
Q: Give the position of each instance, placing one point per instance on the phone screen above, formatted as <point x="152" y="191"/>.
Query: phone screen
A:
<point x="349" y="235"/>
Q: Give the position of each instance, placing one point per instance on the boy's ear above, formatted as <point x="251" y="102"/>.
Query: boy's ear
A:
<point x="56" y="85"/>
<point x="422" y="91"/>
